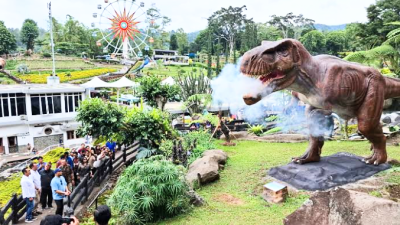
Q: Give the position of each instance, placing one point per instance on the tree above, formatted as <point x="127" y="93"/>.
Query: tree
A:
<point x="7" y="40"/>
<point x="29" y="33"/>
<point x="291" y="26"/>
<point x="155" y="93"/>
<point x="160" y="35"/>
<point x="374" y="32"/>
<point x="267" y="33"/>
<point x="335" y="42"/>
<point x="99" y="118"/>
<point x="384" y="54"/>
<point x="314" y="41"/>
<point x="227" y="23"/>
<point x="183" y="44"/>
<point x="149" y="127"/>
<point x="173" y="44"/>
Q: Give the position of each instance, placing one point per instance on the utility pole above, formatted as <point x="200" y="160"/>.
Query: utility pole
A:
<point x="51" y="39"/>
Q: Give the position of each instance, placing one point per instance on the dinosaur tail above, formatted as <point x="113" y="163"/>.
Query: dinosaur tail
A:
<point x="392" y="87"/>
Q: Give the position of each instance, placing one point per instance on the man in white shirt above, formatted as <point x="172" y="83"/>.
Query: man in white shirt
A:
<point x="28" y="194"/>
<point x="35" y="177"/>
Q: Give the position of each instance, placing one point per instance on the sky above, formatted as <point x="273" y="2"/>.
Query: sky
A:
<point x="188" y="14"/>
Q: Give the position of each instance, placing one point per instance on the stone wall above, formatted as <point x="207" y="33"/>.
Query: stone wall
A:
<point x="42" y="142"/>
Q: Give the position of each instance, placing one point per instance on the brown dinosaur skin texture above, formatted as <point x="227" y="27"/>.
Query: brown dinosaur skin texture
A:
<point x="326" y="84"/>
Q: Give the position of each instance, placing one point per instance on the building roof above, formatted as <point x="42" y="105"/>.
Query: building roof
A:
<point x="160" y="50"/>
<point x="40" y="88"/>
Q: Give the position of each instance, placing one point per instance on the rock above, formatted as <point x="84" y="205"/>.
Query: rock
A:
<point x="355" y="137"/>
<point x="205" y="169"/>
<point x="387" y="119"/>
<point x="196" y="199"/>
<point x="345" y="207"/>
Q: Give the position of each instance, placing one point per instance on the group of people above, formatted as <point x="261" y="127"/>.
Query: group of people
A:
<point x="40" y="182"/>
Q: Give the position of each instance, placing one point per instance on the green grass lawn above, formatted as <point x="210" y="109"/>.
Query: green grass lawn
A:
<point x="242" y="178"/>
<point x="170" y="71"/>
<point x="41" y="64"/>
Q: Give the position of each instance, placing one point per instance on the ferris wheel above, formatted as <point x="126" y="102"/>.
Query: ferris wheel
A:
<point x="125" y="28"/>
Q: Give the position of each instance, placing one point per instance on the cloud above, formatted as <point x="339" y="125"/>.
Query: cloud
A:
<point x="189" y="14"/>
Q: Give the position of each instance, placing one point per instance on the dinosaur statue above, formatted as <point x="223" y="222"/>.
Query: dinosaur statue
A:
<point x="326" y="84"/>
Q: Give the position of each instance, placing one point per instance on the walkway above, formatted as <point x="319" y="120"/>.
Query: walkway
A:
<point x="53" y="210"/>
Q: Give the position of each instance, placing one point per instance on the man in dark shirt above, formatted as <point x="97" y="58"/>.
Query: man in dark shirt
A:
<point x="67" y="174"/>
<point x="46" y="196"/>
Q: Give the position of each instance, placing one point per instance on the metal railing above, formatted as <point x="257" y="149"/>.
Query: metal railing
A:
<point x="80" y="193"/>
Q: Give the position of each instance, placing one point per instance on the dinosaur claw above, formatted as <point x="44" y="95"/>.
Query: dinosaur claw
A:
<point x="376" y="163"/>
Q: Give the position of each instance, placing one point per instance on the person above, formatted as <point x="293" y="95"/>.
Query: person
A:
<point x="69" y="160"/>
<point x="41" y="165"/>
<point x="57" y="220"/>
<point x="34" y="151"/>
<point x="35" y="177"/>
<point x="102" y="215"/>
<point x="68" y="174"/>
<point x="46" y="197"/>
<point x="82" y="148"/>
<point x="84" y="169"/>
<point x="75" y="170"/>
<point x="28" y="194"/>
<point x="60" y="190"/>
<point x="58" y="163"/>
<point x="91" y="159"/>
<point x="100" y="159"/>
<point x="61" y="141"/>
<point x="29" y="148"/>
<point x="111" y="145"/>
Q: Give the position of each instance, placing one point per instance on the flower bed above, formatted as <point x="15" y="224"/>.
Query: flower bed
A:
<point x="42" y="78"/>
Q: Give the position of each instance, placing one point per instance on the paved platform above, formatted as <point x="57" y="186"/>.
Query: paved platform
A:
<point x="331" y="171"/>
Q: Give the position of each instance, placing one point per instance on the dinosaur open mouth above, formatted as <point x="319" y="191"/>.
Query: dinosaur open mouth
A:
<point x="274" y="75"/>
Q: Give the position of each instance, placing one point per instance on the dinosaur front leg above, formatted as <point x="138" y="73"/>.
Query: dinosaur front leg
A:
<point x="316" y="118"/>
<point x="369" y="123"/>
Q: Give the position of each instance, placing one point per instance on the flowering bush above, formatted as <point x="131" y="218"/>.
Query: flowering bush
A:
<point x="42" y="78"/>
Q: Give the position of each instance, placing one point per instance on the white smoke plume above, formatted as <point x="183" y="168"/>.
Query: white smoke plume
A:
<point x="230" y="86"/>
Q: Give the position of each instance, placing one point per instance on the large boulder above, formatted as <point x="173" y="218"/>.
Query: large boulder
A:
<point x="345" y="207"/>
<point x="205" y="169"/>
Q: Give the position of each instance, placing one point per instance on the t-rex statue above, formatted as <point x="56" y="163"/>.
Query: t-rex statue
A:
<point x="327" y="84"/>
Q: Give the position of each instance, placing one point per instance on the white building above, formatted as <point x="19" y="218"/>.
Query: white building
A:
<point x="170" y="57"/>
<point x="39" y="114"/>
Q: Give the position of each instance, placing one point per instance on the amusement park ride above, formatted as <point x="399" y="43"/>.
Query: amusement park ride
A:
<point x="125" y="29"/>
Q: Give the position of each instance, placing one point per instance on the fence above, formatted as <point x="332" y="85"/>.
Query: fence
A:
<point x="79" y="194"/>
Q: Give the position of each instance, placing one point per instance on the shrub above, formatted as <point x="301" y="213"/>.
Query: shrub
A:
<point x="99" y="118"/>
<point x="152" y="90"/>
<point x="150" y="127"/>
<point x="22" y="68"/>
<point x="256" y="129"/>
<point x="273" y="130"/>
<point x="149" y="190"/>
<point x="203" y="142"/>
<point x="46" y="55"/>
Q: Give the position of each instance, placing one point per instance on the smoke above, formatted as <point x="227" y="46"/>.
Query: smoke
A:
<point x="230" y="86"/>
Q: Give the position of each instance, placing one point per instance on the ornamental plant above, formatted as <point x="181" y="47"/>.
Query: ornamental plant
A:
<point x="99" y="118"/>
<point x="149" y="190"/>
<point x="157" y="94"/>
<point x="150" y="127"/>
<point x="64" y="77"/>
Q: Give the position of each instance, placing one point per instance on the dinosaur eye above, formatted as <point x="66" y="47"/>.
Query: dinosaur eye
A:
<point x="269" y="56"/>
<point x="283" y="52"/>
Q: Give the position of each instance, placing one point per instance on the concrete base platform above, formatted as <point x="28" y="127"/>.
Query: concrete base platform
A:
<point x="331" y="171"/>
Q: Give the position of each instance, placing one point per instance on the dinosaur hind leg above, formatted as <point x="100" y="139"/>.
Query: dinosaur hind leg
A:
<point x="316" y="125"/>
<point x="369" y="122"/>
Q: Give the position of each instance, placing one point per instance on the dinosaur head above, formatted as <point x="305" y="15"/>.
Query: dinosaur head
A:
<point x="274" y="63"/>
